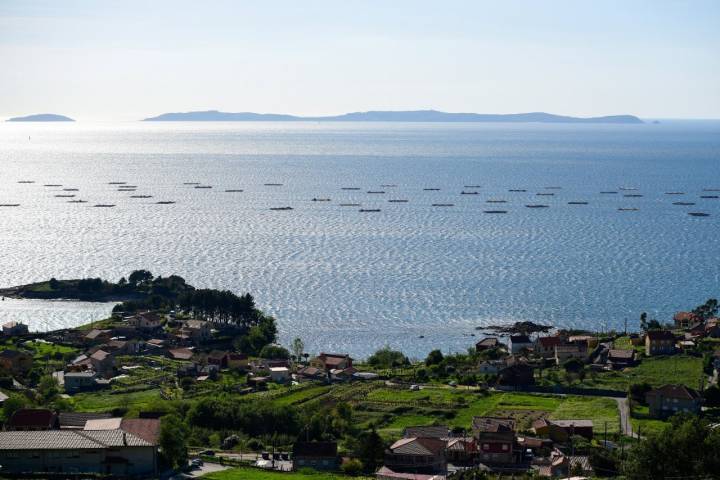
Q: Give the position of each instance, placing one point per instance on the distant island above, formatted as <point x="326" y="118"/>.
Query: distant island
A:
<point x="389" y="116"/>
<point x="42" y="117"/>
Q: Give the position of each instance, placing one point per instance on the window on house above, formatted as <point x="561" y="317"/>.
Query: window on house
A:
<point x="504" y="447"/>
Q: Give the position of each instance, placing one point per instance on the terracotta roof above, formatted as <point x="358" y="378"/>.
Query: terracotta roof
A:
<point x="147" y="429"/>
<point x="493" y="424"/>
<point x="333" y="359"/>
<point x="315" y="449"/>
<point x="686" y="316"/>
<point x="419" y="446"/>
<point x="660" y="335"/>
<point x="431" y="431"/>
<point x="32" y="418"/>
<point x="681" y="392"/>
<point x="549" y="342"/>
<point x="181" y="353"/>
<point x="100" y="355"/>
<point x="621" y="354"/>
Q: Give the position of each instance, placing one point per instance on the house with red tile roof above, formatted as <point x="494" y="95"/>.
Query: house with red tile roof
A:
<point x="26" y="419"/>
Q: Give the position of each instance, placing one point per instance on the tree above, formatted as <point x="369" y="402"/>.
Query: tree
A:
<point x="637" y="392"/>
<point x="275" y="352"/>
<point x="371" y="450"/>
<point x="712" y="396"/>
<point x="707" y="310"/>
<point x="435" y="357"/>
<point x="13" y="404"/>
<point x="387" y="358"/>
<point x="173" y="440"/>
<point x="54" y="284"/>
<point x="140" y="277"/>
<point x="352" y="467"/>
<point x="48" y="388"/>
<point x="297" y="348"/>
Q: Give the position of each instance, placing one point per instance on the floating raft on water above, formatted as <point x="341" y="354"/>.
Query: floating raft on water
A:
<point x="709" y="196"/>
<point x="472" y="186"/>
<point x="70" y="189"/>
<point x="683" y="203"/>
<point x="545" y="194"/>
<point x="375" y="191"/>
<point x="388" y="185"/>
<point x="627" y="188"/>
<point x="608" y="192"/>
<point x="165" y="202"/>
<point x="577" y="203"/>
<point x="632" y="195"/>
<point x="52" y="185"/>
<point x="494" y="211"/>
<point x="399" y="200"/>
<point x="140" y="196"/>
<point x="553" y="188"/>
<point x="281" y="208"/>
<point x="9" y="204"/>
<point x="431" y="189"/>
<point x="104" y="205"/>
<point x="202" y="186"/>
<point x="273" y="184"/>
<point x="234" y="190"/>
<point x="365" y="210"/>
<point x="469" y="193"/>
<point x="349" y="204"/>
<point x="674" y="193"/>
<point x="627" y="209"/>
<point x="77" y="201"/>
<point x="191" y="183"/>
<point x="26" y="181"/>
<point x="320" y="199"/>
<point x="443" y="204"/>
<point x="537" y="206"/>
<point x="495" y="201"/>
<point x="711" y="190"/>
<point x="117" y="183"/>
<point x="698" y="214"/>
<point x="517" y="190"/>
<point x="64" y="196"/>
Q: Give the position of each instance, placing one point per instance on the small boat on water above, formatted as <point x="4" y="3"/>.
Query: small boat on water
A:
<point x="627" y="209"/>
<point x="608" y="192"/>
<point x="494" y="211"/>
<point x="431" y="189"/>
<point x="577" y="203"/>
<point x="537" y="206"/>
<point x="64" y="196"/>
<point x="165" y="202"/>
<point x="117" y="183"/>
<point x="375" y="191"/>
<point x="273" y="184"/>
<point x="140" y="196"/>
<point x="674" y="193"/>
<point x="495" y="201"/>
<point x="469" y="193"/>
<point x="698" y="214"/>
<point x="320" y="199"/>
<point x="369" y="210"/>
<point x="104" y="205"/>
<point x="234" y="190"/>
<point x="9" y="204"/>
<point x="202" y="186"/>
<point x="350" y="188"/>
<point x="709" y="196"/>
<point x="545" y="194"/>
<point x="349" y="204"/>
<point x="280" y="208"/>
<point x="517" y="190"/>
<point x="443" y="204"/>
<point x="632" y="195"/>
<point x="399" y="200"/>
<point x="683" y="203"/>
<point x="52" y="185"/>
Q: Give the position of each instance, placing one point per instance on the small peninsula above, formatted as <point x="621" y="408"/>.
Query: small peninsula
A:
<point x="390" y="116"/>
<point x="42" y="117"/>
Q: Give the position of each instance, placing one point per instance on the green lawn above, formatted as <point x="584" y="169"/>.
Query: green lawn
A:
<point x="643" y="424"/>
<point x="248" y="473"/>
<point x="105" y="401"/>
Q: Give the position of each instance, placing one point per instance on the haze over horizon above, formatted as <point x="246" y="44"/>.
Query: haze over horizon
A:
<point x="130" y="60"/>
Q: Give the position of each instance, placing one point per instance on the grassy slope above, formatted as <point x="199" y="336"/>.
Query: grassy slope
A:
<point x="656" y="371"/>
<point x="247" y="473"/>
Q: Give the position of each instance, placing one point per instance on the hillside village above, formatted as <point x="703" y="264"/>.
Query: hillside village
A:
<point x="142" y="392"/>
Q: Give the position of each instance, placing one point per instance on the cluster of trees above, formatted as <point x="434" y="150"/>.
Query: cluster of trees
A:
<point x="388" y="358"/>
<point x="252" y="418"/>
<point x="221" y="306"/>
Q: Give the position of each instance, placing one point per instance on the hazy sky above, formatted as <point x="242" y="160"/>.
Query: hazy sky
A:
<point x="105" y="60"/>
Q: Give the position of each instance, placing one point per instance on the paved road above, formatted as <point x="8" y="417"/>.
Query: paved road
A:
<point x="207" y="468"/>
<point x="625" y="422"/>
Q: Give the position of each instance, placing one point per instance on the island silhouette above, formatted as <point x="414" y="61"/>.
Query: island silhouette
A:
<point x="389" y="116"/>
<point x="42" y="117"/>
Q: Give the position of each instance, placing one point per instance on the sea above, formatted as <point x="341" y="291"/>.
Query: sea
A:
<point x="431" y="272"/>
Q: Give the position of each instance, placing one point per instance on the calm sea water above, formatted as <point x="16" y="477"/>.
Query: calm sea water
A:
<point x="350" y="281"/>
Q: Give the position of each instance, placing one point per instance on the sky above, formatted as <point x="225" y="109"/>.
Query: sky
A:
<point x="126" y="60"/>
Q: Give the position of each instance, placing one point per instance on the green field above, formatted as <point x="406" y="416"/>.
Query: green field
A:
<point x="656" y="371"/>
<point x="105" y="401"/>
<point x="248" y="473"/>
